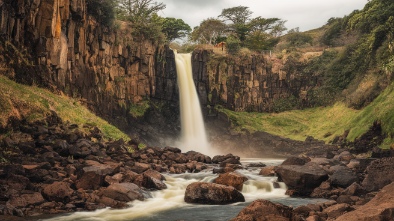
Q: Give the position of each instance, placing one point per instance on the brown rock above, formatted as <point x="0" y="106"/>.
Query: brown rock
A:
<point x="211" y="193"/>
<point x="296" y="161"/>
<point x="335" y="211"/>
<point x="379" y="174"/>
<point x="381" y="207"/>
<point x="264" y="210"/>
<point x="140" y="167"/>
<point x="267" y="171"/>
<point x="233" y="179"/>
<point x="303" y="178"/>
<point x="58" y="191"/>
<point x="26" y="200"/>
<point x="124" y="192"/>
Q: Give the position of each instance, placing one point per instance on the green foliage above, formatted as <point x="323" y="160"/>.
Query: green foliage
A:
<point x="139" y="109"/>
<point x="175" y="28"/>
<point x="297" y="39"/>
<point x="285" y="104"/>
<point x="209" y="31"/>
<point x="322" y="123"/>
<point x="233" y="45"/>
<point x="102" y="10"/>
<point x="143" y="15"/>
<point x="35" y="103"/>
<point x="237" y="15"/>
<point x="333" y="32"/>
<point x="141" y="146"/>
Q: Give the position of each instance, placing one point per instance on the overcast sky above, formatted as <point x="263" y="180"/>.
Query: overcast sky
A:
<point x="305" y="14"/>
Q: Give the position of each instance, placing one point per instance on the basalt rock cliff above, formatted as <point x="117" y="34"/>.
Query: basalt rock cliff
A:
<point x="57" y="44"/>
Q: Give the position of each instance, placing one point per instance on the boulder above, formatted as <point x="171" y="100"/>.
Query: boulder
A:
<point x="199" y="157"/>
<point x="233" y="179"/>
<point x="379" y="174"/>
<point x="264" y="210"/>
<point x="25" y="200"/>
<point x="140" y="167"/>
<point x="267" y="171"/>
<point x="296" y="161"/>
<point x="212" y="193"/>
<point x="58" y="191"/>
<point x="381" y="207"/>
<point x="336" y="210"/>
<point x="303" y="179"/>
<point x="153" y="180"/>
<point x="229" y="157"/>
<point x="124" y="192"/>
<point x="343" y="177"/>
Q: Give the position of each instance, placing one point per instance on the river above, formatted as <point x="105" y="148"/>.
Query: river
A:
<point x="169" y="205"/>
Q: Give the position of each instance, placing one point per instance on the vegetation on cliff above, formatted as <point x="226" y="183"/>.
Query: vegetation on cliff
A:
<point x="31" y="103"/>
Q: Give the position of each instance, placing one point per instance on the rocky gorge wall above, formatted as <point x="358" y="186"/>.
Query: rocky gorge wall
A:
<point x="56" y="44"/>
<point x="247" y="82"/>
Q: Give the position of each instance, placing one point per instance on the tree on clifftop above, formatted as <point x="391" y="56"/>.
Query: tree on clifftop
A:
<point x="208" y="32"/>
<point x="175" y="28"/>
<point x="143" y="15"/>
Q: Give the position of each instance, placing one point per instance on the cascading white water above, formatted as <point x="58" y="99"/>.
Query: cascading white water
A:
<point x="192" y="124"/>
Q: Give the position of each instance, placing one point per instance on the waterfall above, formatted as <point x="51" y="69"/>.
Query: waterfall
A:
<point x="192" y="124"/>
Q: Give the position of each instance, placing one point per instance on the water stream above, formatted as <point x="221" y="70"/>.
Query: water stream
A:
<point x="169" y="205"/>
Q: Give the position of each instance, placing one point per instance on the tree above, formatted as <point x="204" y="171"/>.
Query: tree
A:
<point x="238" y="15"/>
<point x="175" y="28"/>
<point x="138" y="10"/>
<point x="102" y="10"/>
<point x="209" y="31"/>
<point x="143" y="15"/>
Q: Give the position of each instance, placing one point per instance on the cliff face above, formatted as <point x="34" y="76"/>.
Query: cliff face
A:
<point x="247" y="83"/>
<point x="56" y="43"/>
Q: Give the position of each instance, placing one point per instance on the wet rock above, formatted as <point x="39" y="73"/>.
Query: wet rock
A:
<point x="303" y="179"/>
<point x="267" y="171"/>
<point x="153" y="180"/>
<point x="124" y="192"/>
<point x="199" y="157"/>
<point x="233" y="179"/>
<point x="220" y="158"/>
<point x="259" y="164"/>
<point x="140" y="167"/>
<point x="58" y="191"/>
<point x="211" y="193"/>
<point x="264" y="210"/>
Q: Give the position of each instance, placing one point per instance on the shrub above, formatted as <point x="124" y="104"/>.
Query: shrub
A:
<point x="102" y="10"/>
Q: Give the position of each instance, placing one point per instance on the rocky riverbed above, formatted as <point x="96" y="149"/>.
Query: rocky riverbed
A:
<point x="52" y="167"/>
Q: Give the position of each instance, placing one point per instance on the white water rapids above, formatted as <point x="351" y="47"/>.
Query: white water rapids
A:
<point x="170" y="201"/>
<point x="192" y="123"/>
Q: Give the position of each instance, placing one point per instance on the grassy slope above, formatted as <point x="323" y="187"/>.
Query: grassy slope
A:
<point x="323" y="123"/>
<point x="34" y="103"/>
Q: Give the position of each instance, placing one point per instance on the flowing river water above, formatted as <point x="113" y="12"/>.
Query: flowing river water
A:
<point x="169" y="205"/>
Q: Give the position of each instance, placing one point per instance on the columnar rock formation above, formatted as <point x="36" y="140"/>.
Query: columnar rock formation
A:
<point x="56" y="43"/>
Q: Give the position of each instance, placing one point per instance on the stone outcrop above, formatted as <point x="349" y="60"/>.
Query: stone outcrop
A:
<point x="303" y="179"/>
<point x="212" y="193"/>
<point x="233" y="179"/>
<point x="381" y="207"/>
<point x="58" y="44"/>
<point x="264" y="210"/>
<point x="246" y="82"/>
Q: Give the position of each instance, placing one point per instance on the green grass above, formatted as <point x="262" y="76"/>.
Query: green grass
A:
<point x="35" y="103"/>
<point x="323" y="123"/>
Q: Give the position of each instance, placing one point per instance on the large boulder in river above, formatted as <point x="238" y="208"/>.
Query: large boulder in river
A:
<point x="264" y="210"/>
<point x="381" y="207"/>
<point x="296" y="161"/>
<point x="233" y="179"/>
<point x="379" y="174"/>
<point x="212" y="193"/>
<point x="343" y="177"/>
<point x="303" y="179"/>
